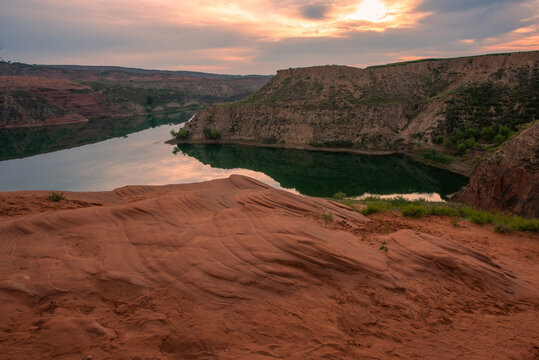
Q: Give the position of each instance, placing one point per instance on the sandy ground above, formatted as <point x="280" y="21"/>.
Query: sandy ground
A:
<point x="233" y="269"/>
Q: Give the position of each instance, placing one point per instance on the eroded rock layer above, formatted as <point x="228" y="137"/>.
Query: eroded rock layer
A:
<point x="232" y="269"/>
<point x="382" y="107"/>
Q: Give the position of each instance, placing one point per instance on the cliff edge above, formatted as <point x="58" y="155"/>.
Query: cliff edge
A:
<point x="454" y="106"/>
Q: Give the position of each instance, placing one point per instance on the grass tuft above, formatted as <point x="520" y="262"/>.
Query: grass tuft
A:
<point x="327" y="216"/>
<point x="414" y="210"/>
<point x="374" y="207"/>
<point x="56" y="197"/>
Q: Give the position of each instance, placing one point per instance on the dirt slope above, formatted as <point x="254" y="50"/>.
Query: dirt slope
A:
<point x="233" y="269"/>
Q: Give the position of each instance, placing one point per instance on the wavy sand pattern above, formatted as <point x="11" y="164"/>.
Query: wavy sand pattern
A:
<point x="234" y="269"/>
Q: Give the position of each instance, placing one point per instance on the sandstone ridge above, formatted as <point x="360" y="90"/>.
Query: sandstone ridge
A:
<point x="233" y="269"/>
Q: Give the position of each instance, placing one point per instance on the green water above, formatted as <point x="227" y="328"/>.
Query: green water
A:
<point x="318" y="173"/>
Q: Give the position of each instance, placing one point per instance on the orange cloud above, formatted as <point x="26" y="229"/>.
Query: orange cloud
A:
<point x="275" y="20"/>
<point x="521" y="39"/>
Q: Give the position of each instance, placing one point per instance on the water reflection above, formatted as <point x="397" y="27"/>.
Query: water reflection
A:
<point x="138" y="158"/>
<point x="319" y="173"/>
<point x="24" y="142"/>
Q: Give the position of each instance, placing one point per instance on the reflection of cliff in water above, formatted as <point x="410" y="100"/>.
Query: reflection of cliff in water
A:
<point x="28" y="141"/>
<point x="318" y="173"/>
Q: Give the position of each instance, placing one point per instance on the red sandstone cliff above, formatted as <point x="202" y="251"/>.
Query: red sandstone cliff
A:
<point x="508" y="180"/>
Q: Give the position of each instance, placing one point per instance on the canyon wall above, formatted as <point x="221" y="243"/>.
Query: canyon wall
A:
<point x="422" y="103"/>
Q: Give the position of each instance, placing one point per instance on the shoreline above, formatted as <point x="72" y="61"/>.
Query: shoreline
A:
<point x="457" y="168"/>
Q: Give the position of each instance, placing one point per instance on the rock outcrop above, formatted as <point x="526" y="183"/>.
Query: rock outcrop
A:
<point x="233" y="269"/>
<point x="386" y="107"/>
<point x="508" y="180"/>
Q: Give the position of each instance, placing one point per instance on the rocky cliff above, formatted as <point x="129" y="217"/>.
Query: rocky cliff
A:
<point x="508" y="180"/>
<point x="454" y="105"/>
<point x="39" y="95"/>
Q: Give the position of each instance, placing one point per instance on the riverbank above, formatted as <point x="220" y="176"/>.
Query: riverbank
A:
<point x="233" y="268"/>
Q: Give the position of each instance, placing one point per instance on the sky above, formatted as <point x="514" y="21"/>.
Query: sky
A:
<point x="260" y="36"/>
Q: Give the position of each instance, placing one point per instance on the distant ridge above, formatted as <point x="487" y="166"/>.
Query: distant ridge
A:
<point x="399" y="63"/>
<point x="36" y="95"/>
<point x="194" y="74"/>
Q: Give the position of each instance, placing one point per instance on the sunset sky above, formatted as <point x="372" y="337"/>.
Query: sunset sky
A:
<point x="260" y="36"/>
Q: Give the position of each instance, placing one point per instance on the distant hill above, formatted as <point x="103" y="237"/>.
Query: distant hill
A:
<point x="32" y="95"/>
<point x="194" y="74"/>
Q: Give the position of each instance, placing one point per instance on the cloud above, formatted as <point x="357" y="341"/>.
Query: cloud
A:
<point x="464" y="5"/>
<point x="314" y="12"/>
<point x="260" y="36"/>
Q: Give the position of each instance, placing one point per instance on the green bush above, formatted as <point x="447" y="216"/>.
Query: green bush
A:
<point x="503" y="227"/>
<point x="529" y="225"/>
<point x="441" y="210"/>
<point x="461" y="147"/>
<point x="182" y="134"/>
<point x="481" y="217"/>
<point x="339" y="195"/>
<point x="56" y="197"/>
<point x="470" y="142"/>
<point x="211" y="134"/>
<point x="414" y="210"/>
<point x="327" y="216"/>
<point x="471" y="132"/>
<point x="459" y="135"/>
<point x="439" y="139"/>
<point x="503" y="130"/>
<point x="374" y="207"/>
<point x="487" y="133"/>
<point x="498" y="139"/>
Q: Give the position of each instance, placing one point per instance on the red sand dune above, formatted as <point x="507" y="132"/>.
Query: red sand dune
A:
<point x="233" y="269"/>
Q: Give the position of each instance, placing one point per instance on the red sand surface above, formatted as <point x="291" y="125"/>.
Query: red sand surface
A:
<point x="233" y="269"/>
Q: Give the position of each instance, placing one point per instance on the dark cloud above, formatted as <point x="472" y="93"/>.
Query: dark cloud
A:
<point x="314" y="11"/>
<point x="464" y="5"/>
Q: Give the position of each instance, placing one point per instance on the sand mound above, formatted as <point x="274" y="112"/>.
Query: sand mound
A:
<point x="235" y="269"/>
